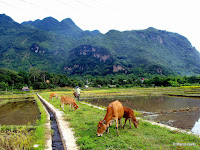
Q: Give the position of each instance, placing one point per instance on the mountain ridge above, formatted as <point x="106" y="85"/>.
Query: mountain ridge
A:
<point x="48" y="44"/>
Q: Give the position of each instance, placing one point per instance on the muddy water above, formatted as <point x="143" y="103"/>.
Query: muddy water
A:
<point x="19" y="113"/>
<point x="153" y="104"/>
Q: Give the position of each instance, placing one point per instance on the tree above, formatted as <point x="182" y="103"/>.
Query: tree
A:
<point x="3" y="85"/>
<point x="34" y="72"/>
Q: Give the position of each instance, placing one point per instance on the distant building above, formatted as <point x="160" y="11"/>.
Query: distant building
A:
<point x="25" y="89"/>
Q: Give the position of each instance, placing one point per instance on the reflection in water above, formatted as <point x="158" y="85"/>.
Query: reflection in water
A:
<point x="19" y="113"/>
<point x="184" y="120"/>
<point x="196" y="128"/>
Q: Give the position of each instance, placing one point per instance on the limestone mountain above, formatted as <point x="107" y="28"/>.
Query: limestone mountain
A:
<point x="63" y="47"/>
<point x="87" y="59"/>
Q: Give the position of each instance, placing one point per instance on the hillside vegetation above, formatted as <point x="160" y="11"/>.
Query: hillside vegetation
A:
<point x="63" y="47"/>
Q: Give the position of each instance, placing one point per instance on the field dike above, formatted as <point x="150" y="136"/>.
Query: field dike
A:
<point x="66" y="133"/>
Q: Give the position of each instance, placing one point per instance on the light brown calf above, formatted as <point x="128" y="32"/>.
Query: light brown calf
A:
<point x="129" y="115"/>
<point x="53" y="95"/>
<point x="115" y="112"/>
<point x="68" y="100"/>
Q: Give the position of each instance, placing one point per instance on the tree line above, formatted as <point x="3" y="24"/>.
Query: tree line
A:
<point x="38" y="79"/>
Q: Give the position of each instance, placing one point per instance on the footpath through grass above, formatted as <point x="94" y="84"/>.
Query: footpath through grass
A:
<point x="85" y="119"/>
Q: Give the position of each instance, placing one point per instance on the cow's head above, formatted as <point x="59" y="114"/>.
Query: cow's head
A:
<point x="101" y="128"/>
<point x="75" y="94"/>
<point x="135" y="122"/>
<point x="75" y="106"/>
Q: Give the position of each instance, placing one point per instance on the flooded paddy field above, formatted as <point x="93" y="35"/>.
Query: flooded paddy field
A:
<point x="178" y="112"/>
<point x="19" y="113"/>
<point x="22" y="120"/>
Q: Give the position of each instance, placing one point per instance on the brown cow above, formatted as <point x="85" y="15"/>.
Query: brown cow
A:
<point x="115" y="112"/>
<point x="75" y="94"/>
<point x="53" y="95"/>
<point x="129" y="115"/>
<point x="68" y="100"/>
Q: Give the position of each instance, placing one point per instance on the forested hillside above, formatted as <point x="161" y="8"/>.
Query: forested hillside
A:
<point x="63" y="47"/>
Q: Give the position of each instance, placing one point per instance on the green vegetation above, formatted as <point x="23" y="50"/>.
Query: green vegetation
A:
<point x="24" y="137"/>
<point x="85" y="119"/>
<point x="37" y="79"/>
<point x="62" y="47"/>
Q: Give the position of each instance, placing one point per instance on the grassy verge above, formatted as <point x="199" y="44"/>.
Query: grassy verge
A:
<point x="24" y="137"/>
<point x="40" y="131"/>
<point x="85" y="119"/>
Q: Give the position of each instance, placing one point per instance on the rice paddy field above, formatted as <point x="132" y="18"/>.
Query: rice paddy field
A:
<point x="85" y="119"/>
<point x="25" y="135"/>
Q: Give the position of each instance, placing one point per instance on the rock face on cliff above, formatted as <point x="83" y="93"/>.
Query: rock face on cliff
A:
<point x="87" y="59"/>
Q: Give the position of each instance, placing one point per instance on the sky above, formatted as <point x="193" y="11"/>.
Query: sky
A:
<point x="179" y="16"/>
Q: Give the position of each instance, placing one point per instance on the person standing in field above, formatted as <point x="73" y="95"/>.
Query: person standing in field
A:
<point x="78" y="92"/>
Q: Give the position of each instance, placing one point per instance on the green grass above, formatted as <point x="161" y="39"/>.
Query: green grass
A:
<point x="84" y="123"/>
<point x="40" y="131"/>
<point x="85" y="119"/>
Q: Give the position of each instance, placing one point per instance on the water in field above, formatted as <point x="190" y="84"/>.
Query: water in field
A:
<point x="151" y="105"/>
<point x="19" y="113"/>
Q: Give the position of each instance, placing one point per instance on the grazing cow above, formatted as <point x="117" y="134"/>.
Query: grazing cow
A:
<point x="68" y="100"/>
<point x="75" y="94"/>
<point x="129" y="115"/>
<point x="53" y="95"/>
<point x="115" y="112"/>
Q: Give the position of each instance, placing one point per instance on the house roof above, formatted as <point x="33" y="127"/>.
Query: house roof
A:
<point x="25" y="88"/>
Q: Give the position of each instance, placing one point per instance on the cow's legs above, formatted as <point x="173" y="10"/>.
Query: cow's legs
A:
<point x="117" y="125"/>
<point x="107" y="130"/>
<point x="63" y="106"/>
<point x="124" y="122"/>
<point x="120" y="123"/>
<point x="130" y="123"/>
<point x="70" y="107"/>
